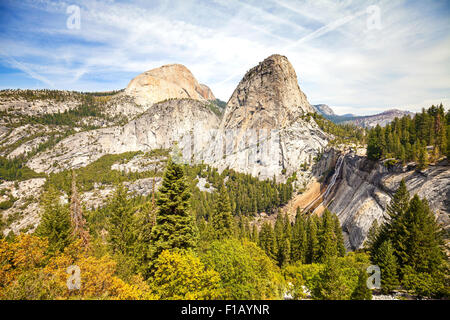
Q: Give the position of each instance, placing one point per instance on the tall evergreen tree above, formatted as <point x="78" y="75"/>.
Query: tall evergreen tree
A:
<point x="55" y="221"/>
<point x="121" y="230"/>
<point x="267" y="240"/>
<point x="222" y="219"/>
<point x="331" y="285"/>
<point x="299" y="242"/>
<point x="175" y="226"/>
<point x="327" y="238"/>
<point x="362" y="292"/>
<point x="423" y="250"/>
<point x="384" y="257"/>
<point x="313" y="241"/>
<point x="416" y="245"/>
<point x="339" y="237"/>
<point x="423" y="158"/>
<point x="395" y="229"/>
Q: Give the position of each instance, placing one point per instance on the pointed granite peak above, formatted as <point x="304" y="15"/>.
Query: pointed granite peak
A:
<point x="267" y="96"/>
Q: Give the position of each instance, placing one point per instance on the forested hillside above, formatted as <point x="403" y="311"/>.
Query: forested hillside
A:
<point x="422" y="139"/>
<point x="183" y="243"/>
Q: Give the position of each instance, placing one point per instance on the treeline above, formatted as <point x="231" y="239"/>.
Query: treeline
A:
<point x="408" y="248"/>
<point x="146" y="249"/>
<point x="309" y="240"/>
<point x="72" y="117"/>
<point x="15" y="169"/>
<point x="152" y="248"/>
<point x="344" y="133"/>
<point x="100" y="172"/>
<point x="422" y="138"/>
<point x="248" y="195"/>
<point x="43" y="94"/>
<point x="56" y="95"/>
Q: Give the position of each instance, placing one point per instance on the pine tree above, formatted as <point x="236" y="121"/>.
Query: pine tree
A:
<point x="362" y="292"/>
<point x="267" y="240"/>
<point x="299" y="239"/>
<point x="416" y="246"/>
<point x="121" y="230"/>
<point x="374" y="147"/>
<point x="327" y="238"/>
<point x="372" y="235"/>
<point x="423" y="158"/>
<point x="384" y="257"/>
<point x="331" y="285"/>
<point x="222" y="219"/>
<point x="423" y="250"/>
<point x="55" y="221"/>
<point x="284" y="252"/>
<point x="175" y="226"/>
<point x="395" y="229"/>
<point x="339" y="237"/>
<point x="282" y="236"/>
<point x="313" y="241"/>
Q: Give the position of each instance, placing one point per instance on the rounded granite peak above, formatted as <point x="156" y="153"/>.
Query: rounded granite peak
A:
<point x="171" y="81"/>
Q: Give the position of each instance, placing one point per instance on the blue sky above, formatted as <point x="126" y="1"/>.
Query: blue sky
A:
<point x="345" y="54"/>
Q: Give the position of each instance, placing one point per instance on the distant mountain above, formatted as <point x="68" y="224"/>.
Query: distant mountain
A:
<point x="324" y="109"/>
<point x="370" y="121"/>
<point x="381" y="119"/>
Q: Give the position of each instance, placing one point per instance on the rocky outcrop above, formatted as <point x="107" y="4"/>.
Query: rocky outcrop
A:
<point x="324" y="110"/>
<point x="267" y="97"/>
<point x="364" y="188"/>
<point x="23" y="215"/>
<point x="206" y="92"/>
<point x="159" y="127"/>
<point x="172" y="81"/>
<point x="35" y="103"/>
<point x="265" y="130"/>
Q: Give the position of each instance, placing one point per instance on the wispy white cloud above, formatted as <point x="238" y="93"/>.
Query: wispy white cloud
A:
<point x="338" y="60"/>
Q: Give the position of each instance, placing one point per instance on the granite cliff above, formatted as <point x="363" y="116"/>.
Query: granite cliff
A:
<point x="363" y="188"/>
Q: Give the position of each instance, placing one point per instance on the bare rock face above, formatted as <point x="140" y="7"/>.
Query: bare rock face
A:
<point x="206" y="92"/>
<point x="162" y="125"/>
<point x="267" y="97"/>
<point x="17" y="103"/>
<point x="24" y="214"/>
<point x="265" y="130"/>
<point x="324" y="109"/>
<point x="173" y="81"/>
<point x="364" y="189"/>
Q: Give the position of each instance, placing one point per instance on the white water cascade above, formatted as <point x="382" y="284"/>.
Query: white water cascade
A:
<point x="333" y="180"/>
<point x="330" y="186"/>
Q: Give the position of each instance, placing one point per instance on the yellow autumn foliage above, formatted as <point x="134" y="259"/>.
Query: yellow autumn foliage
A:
<point x="182" y="276"/>
<point x="27" y="273"/>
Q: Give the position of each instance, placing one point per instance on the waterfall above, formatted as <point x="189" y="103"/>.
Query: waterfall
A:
<point x="333" y="180"/>
<point x="337" y="171"/>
